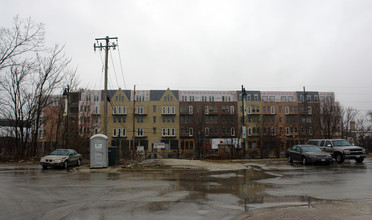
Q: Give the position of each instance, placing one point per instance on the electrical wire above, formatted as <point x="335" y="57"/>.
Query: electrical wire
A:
<point x="113" y="67"/>
<point x="121" y="67"/>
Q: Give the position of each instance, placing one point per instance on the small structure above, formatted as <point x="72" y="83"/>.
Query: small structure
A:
<point x="98" y="151"/>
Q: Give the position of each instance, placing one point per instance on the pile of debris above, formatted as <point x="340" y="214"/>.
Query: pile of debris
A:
<point x="149" y="163"/>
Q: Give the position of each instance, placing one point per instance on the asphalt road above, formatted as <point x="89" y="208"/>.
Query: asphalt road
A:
<point x="29" y="192"/>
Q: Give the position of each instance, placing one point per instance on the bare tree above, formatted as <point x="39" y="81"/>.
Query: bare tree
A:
<point x="24" y="37"/>
<point x="30" y="73"/>
<point x="348" y="115"/>
<point x="48" y="76"/>
<point x="18" y="105"/>
<point x="329" y="117"/>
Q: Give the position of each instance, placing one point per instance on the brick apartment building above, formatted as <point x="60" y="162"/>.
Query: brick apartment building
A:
<point x="185" y="123"/>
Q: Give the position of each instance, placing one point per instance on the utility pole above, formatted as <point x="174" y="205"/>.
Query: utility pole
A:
<point x="106" y="48"/>
<point x="306" y="115"/>
<point x="244" y="130"/>
<point x="134" y="125"/>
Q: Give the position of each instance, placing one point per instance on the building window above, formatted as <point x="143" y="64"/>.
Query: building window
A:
<point x="140" y="132"/>
<point x="272" y="99"/>
<point x="191" y="110"/>
<point x="206" y="110"/>
<point x="290" y="98"/>
<point x="168" y="110"/>
<point x="308" y="98"/>
<point x="316" y="98"/>
<point x="140" y="110"/>
<point x="302" y="99"/>
<point x="249" y="98"/>
<point x="272" y="109"/>
<point x="191" y="132"/>
<point x="287" y="110"/>
<point x="287" y="131"/>
<point x="232" y="131"/>
<point x="232" y="110"/>
<point x="265" y="98"/>
<point x="249" y="110"/>
<point x="283" y="98"/>
<point x="207" y="131"/>
<point x="255" y="97"/>
<point x="154" y="119"/>
<point x="309" y="110"/>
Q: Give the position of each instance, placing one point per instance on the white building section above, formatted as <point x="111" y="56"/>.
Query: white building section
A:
<point x="278" y="96"/>
<point x="207" y="96"/>
<point x="226" y="141"/>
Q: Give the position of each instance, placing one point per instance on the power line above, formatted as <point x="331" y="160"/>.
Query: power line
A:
<point x="113" y="66"/>
<point x="121" y="67"/>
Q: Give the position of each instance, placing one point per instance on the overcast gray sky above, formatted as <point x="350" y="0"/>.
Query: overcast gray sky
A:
<point x="277" y="45"/>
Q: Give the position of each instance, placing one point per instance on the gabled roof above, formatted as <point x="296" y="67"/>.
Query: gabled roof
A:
<point x="111" y="93"/>
<point x="156" y="95"/>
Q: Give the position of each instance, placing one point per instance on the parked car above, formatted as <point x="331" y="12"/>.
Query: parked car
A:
<point x="340" y="149"/>
<point x="61" y="158"/>
<point x="308" y="154"/>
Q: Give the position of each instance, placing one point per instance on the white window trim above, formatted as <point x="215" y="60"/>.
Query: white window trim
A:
<point x="287" y="131"/>
<point x="138" y="131"/>
<point x="309" y="110"/>
<point x="232" y="110"/>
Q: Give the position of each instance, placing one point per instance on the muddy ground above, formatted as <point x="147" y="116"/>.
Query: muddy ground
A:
<point x="335" y="210"/>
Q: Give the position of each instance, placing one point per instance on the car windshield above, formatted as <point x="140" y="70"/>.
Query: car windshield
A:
<point x="60" y="152"/>
<point x="339" y="143"/>
<point x="310" y="149"/>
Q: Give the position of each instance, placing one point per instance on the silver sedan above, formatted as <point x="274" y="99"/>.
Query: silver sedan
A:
<point x="61" y="158"/>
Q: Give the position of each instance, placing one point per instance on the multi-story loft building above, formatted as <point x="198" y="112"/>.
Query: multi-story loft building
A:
<point x="251" y="118"/>
<point x="207" y="115"/>
<point x="161" y="122"/>
<point x="148" y="117"/>
<point x="58" y="127"/>
<point x="90" y="112"/>
<point x="49" y="134"/>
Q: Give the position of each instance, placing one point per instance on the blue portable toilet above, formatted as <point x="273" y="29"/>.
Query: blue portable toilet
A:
<point x="98" y="151"/>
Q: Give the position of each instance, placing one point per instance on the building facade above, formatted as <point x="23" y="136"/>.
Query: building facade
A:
<point x="188" y="123"/>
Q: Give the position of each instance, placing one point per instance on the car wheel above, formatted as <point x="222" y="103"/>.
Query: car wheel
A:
<point x="304" y="160"/>
<point x="65" y="164"/>
<point x="290" y="160"/>
<point x="359" y="160"/>
<point x="78" y="162"/>
<point x="44" y="166"/>
<point x="339" y="158"/>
